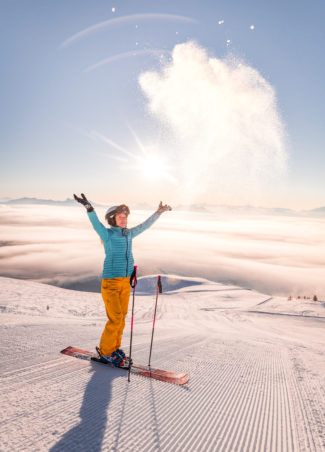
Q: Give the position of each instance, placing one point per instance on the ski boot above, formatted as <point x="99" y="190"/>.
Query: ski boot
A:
<point x="114" y="358"/>
<point x="126" y="359"/>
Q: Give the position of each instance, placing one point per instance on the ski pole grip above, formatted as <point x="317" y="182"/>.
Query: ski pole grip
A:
<point x="133" y="277"/>
<point x="159" y="284"/>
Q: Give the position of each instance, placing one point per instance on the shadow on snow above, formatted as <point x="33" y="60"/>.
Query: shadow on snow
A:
<point x="89" y="433"/>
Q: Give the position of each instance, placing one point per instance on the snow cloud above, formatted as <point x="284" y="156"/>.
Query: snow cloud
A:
<point x="221" y="127"/>
<point x="272" y="254"/>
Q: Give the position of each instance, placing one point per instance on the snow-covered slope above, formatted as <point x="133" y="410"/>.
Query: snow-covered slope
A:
<point x="256" y="380"/>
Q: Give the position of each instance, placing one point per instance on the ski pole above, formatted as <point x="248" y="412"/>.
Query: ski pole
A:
<point x="159" y="290"/>
<point x="133" y="282"/>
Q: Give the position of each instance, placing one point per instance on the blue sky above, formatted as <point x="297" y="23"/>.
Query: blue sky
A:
<point x="51" y="106"/>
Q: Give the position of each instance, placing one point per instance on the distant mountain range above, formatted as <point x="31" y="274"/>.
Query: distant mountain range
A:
<point x="251" y="210"/>
<point x="247" y="210"/>
<point x="67" y="202"/>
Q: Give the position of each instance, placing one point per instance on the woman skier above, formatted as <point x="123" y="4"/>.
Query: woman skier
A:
<point x="118" y="267"/>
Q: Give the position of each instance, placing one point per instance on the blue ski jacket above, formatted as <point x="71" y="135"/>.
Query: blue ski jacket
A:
<point x="117" y="242"/>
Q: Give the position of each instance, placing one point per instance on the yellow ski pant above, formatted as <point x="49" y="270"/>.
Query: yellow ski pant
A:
<point x="116" y="295"/>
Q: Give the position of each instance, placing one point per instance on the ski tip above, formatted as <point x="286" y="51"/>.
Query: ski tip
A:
<point x="65" y="349"/>
<point x="172" y="380"/>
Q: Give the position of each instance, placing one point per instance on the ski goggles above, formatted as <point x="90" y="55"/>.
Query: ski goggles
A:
<point x="123" y="208"/>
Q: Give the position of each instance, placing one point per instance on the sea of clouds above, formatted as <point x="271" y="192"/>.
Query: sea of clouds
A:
<point x="282" y="255"/>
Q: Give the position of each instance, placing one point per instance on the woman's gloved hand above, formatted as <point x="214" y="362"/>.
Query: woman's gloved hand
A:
<point x="84" y="201"/>
<point x="162" y="208"/>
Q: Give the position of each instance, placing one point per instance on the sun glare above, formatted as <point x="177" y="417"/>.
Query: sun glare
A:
<point x="153" y="166"/>
<point x="150" y="163"/>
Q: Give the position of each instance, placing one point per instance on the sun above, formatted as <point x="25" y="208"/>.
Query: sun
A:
<point x="153" y="167"/>
<point x="150" y="163"/>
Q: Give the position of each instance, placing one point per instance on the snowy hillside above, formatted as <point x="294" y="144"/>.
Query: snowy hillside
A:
<point x="256" y="367"/>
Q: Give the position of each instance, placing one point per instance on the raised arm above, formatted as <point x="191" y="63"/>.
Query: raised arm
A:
<point x="145" y="225"/>
<point x="97" y="225"/>
<point x="150" y="221"/>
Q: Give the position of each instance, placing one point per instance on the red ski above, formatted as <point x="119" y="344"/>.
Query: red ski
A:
<point x="145" y="371"/>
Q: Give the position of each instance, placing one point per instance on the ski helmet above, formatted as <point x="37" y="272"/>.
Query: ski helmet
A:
<point x="114" y="210"/>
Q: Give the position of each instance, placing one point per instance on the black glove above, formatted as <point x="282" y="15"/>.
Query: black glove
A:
<point x="84" y="201"/>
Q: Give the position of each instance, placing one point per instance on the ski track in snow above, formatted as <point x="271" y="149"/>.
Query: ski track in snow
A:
<point x="256" y="380"/>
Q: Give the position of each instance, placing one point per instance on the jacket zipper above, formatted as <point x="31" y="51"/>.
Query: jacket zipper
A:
<point x="127" y="260"/>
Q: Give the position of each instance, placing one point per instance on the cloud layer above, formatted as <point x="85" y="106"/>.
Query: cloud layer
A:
<point x="275" y="255"/>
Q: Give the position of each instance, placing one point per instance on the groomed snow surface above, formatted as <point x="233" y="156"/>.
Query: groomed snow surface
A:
<point x="256" y="367"/>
